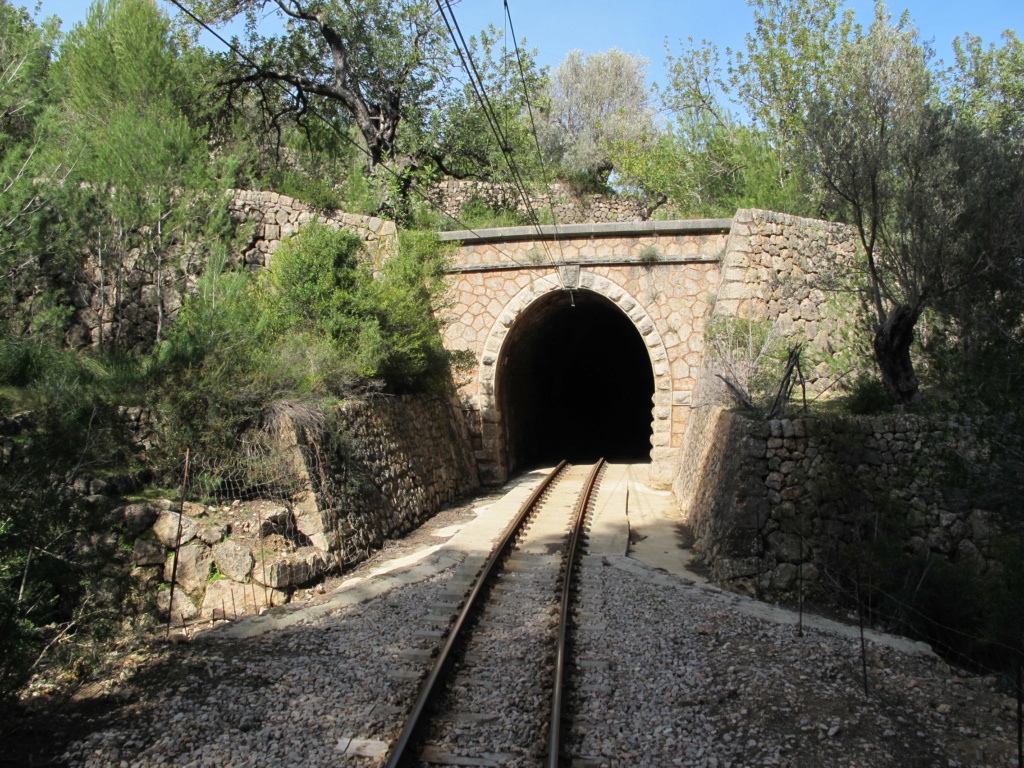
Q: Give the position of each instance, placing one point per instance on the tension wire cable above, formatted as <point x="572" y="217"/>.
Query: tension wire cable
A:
<point x="533" y="124"/>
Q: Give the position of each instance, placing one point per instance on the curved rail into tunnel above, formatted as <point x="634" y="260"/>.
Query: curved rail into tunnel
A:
<point x="574" y="380"/>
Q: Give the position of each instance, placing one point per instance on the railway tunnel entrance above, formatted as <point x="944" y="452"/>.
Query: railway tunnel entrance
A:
<point x="574" y="381"/>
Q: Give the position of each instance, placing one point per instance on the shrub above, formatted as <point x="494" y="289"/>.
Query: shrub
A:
<point x="869" y="396"/>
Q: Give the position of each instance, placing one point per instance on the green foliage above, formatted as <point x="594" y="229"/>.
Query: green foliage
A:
<point x="650" y="254"/>
<point x="53" y="545"/>
<point x="311" y="328"/>
<point x="596" y="100"/>
<point x="370" y="64"/>
<point x="458" y="140"/>
<point x="317" y="192"/>
<point x="868" y="396"/>
<point x="750" y="355"/>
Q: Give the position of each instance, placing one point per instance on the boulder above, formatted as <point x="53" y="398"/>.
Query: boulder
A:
<point x="136" y="518"/>
<point x="226" y="599"/>
<point x="233" y="560"/>
<point x="274" y="518"/>
<point x="215" y="533"/>
<point x="192" y="509"/>
<point x="194" y="561"/>
<point x="148" y="552"/>
<point x="166" y="529"/>
<point x="181" y="610"/>
<point x="291" y="570"/>
<point x="787" y="547"/>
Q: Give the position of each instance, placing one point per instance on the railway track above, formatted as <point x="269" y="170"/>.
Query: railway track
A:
<point x="506" y="649"/>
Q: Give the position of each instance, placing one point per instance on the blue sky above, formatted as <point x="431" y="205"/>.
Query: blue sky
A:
<point x="556" y="27"/>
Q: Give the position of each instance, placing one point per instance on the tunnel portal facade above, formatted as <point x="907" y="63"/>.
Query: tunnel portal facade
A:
<point x="583" y="344"/>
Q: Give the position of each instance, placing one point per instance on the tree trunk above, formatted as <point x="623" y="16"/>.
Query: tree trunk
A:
<point x="892" y="352"/>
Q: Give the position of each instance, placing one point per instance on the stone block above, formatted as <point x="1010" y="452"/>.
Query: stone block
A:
<point x="226" y="599"/>
<point x="181" y="610"/>
<point x="147" y="553"/>
<point x="193" y="570"/>
<point x="233" y="560"/>
<point x="136" y="518"/>
<point x="167" y="525"/>
<point x="285" y="571"/>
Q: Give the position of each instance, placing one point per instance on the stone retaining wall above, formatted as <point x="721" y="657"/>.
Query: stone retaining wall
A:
<point x="452" y="196"/>
<point x="785" y="269"/>
<point x="407" y="457"/>
<point x="764" y="498"/>
<point x="397" y="461"/>
<point x="139" y="298"/>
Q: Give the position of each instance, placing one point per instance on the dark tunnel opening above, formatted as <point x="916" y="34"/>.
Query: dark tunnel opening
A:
<point x="575" y="382"/>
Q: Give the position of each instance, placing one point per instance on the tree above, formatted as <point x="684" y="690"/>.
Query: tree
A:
<point x="28" y="176"/>
<point x="927" y="192"/>
<point x="986" y="85"/>
<point x="145" y="171"/>
<point x="737" y="124"/>
<point x="367" y="62"/>
<point x="596" y="100"/>
<point x="458" y="138"/>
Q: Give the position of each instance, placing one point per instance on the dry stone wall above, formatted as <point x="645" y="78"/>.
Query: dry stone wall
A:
<point x="406" y="457"/>
<point x="453" y="195"/>
<point x="398" y="461"/>
<point x="765" y="499"/>
<point x="128" y="304"/>
<point x="786" y="270"/>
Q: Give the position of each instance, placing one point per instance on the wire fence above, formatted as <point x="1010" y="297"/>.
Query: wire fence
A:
<point x="850" y="582"/>
<point x="228" y="484"/>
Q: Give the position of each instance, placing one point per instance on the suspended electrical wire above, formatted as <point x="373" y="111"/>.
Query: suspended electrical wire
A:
<point x="477" y="84"/>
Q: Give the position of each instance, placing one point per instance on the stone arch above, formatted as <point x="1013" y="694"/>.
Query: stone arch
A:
<point x="498" y="333"/>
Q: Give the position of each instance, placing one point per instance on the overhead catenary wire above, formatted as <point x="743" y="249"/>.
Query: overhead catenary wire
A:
<point x="529" y="111"/>
<point x="477" y="84"/>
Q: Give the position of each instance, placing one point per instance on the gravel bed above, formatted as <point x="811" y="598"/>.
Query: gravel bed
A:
<point x="286" y="698"/>
<point x="675" y="677"/>
<point x="498" y="702"/>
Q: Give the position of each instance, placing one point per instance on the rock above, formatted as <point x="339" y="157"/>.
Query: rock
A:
<point x="291" y="570"/>
<point x="967" y="553"/>
<point x="148" y="552"/>
<point x="182" y="609"/>
<point x="226" y="599"/>
<point x="274" y="518"/>
<point x="166" y="529"/>
<point x="193" y="571"/>
<point x="787" y="547"/>
<point x="148" y="577"/>
<point x="136" y="518"/>
<point x="191" y="509"/>
<point x="215" y="534"/>
<point x="233" y="560"/>
<point x="784" y="576"/>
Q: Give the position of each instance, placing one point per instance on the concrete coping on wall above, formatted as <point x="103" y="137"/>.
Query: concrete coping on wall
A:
<point x="576" y="231"/>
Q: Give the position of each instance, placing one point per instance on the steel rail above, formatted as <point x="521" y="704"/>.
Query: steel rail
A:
<point x="430" y="688"/>
<point x="575" y="544"/>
